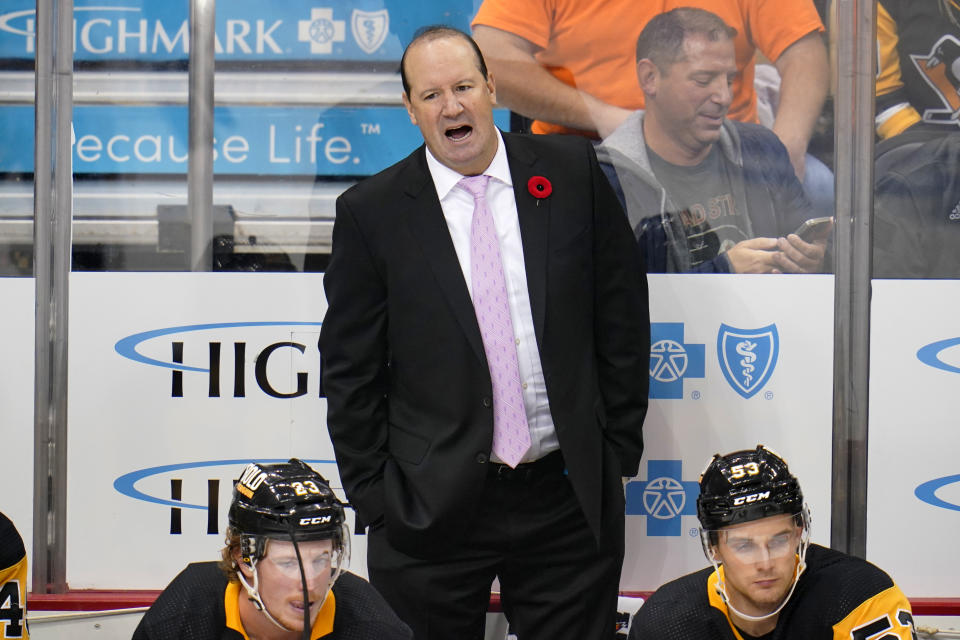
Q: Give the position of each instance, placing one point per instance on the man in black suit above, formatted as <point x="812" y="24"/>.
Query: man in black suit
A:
<point x="477" y="446"/>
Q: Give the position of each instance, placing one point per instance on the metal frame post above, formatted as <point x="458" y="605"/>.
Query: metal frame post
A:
<point x="854" y="137"/>
<point x="200" y="158"/>
<point x="53" y="213"/>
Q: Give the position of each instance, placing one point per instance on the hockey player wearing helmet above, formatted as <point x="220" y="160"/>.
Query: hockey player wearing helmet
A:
<point x="282" y="572"/>
<point x="767" y="581"/>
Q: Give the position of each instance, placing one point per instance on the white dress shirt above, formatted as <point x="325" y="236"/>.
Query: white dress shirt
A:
<point x="457" y="205"/>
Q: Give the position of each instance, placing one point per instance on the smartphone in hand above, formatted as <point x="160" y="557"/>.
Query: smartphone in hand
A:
<point x="815" y="229"/>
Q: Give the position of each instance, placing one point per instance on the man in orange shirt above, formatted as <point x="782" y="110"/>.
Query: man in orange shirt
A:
<point x="570" y="63"/>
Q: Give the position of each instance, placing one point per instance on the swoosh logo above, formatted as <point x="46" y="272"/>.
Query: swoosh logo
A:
<point x="127" y="347"/>
<point x="928" y="492"/>
<point x="126" y="484"/>
<point x="930" y="355"/>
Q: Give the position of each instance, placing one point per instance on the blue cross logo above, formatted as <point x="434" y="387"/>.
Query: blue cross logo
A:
<point x="671" y="360"/>
<point x="663" y="498"/>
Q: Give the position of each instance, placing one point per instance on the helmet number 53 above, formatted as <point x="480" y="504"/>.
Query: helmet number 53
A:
<point x="741" y="470"/>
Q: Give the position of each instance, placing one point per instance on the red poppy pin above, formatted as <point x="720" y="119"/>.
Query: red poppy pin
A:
<point x="539" y="187"/>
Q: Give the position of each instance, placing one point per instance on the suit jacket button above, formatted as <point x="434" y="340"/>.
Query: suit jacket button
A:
<point x="482" y="458"/>
<point x="487" y="402"/>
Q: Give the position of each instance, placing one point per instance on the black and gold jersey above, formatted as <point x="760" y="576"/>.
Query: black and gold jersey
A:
<point x="838" y="597"/>
<point x="13" y="582"/>
<point x="918" y="64"/>
<point x="194" y="607"/>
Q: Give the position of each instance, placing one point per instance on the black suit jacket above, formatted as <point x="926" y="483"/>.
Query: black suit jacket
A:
<point x="407" y="384"/>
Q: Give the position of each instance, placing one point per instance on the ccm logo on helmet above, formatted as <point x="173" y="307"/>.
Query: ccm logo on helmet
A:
<point x="753" y="497"/>
<point x="315" y="520"/>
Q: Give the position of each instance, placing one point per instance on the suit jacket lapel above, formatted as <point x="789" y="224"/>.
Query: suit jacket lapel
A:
<point x="429" y="227"/>
<point x="534" y="216"/>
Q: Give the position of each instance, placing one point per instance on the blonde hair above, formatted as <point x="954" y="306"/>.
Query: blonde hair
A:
<point x="228" y="562"/>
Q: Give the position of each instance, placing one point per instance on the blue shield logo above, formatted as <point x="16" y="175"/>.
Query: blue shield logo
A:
<point x="748" y="356"/>
<point x="370" y="28"/>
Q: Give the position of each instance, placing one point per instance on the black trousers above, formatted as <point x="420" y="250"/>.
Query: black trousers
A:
<point x="556" y="581"/>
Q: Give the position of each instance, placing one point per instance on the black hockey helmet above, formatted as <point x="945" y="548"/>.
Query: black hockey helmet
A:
<point x="285" y="500"/>
<point x="744" y="486"/>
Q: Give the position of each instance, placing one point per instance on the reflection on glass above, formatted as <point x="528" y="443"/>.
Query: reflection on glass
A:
<point x="307" y="101"/>
<point x="707" y="194"/>
<point x="16" y="139"/>
<point x="917" y="198"/>
<point x="917" y="206"/>
<point x="705" y="189"/>
<point x="918" y="79"/>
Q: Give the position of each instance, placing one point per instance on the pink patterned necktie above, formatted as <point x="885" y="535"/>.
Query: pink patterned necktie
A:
<point x="511" y="435"/>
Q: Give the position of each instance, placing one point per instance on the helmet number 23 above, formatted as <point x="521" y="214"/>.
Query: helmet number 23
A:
<point x="305" y="487"/>
<point x="741" y="470"/>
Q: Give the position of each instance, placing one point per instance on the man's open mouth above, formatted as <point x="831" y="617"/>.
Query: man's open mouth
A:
<point x="459" y="133"/>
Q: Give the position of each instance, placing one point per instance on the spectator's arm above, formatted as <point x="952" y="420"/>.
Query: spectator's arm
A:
<point x="527" y="88"/>
<point x="805" y="77"/>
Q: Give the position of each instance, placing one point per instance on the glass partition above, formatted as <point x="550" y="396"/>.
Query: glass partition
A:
<point x="17" y="52"/>
<point x="915" y="344"/>
<point x="307" y="101"/>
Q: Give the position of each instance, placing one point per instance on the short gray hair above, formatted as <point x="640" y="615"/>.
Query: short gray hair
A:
<point x="661" y="41"/>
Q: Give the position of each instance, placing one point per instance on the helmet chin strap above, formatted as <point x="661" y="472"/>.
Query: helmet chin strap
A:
<point x="254" y="593"/>
<point x="797" y="572"/>
<point x="722" y="590"/>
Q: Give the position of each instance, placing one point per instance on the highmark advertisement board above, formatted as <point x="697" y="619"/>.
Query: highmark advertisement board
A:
<point x="913" y="490"/>
<point x="248" y="140"/>
<point x="147" y="31"/>
<point x="178" y="379"/>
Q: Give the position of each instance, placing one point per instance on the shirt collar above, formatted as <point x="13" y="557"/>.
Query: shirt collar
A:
<point x="445" y="178"/>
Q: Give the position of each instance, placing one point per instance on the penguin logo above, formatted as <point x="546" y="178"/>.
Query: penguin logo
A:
<point x="941" y="70"/>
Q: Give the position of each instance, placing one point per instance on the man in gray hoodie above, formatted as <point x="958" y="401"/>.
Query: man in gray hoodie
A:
<point x="704" y="193"/>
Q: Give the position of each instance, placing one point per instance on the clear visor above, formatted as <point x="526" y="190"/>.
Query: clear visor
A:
<point x="315" y="564"/>
<point x="751" y="549"/>
<point x="321" y="558"/>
